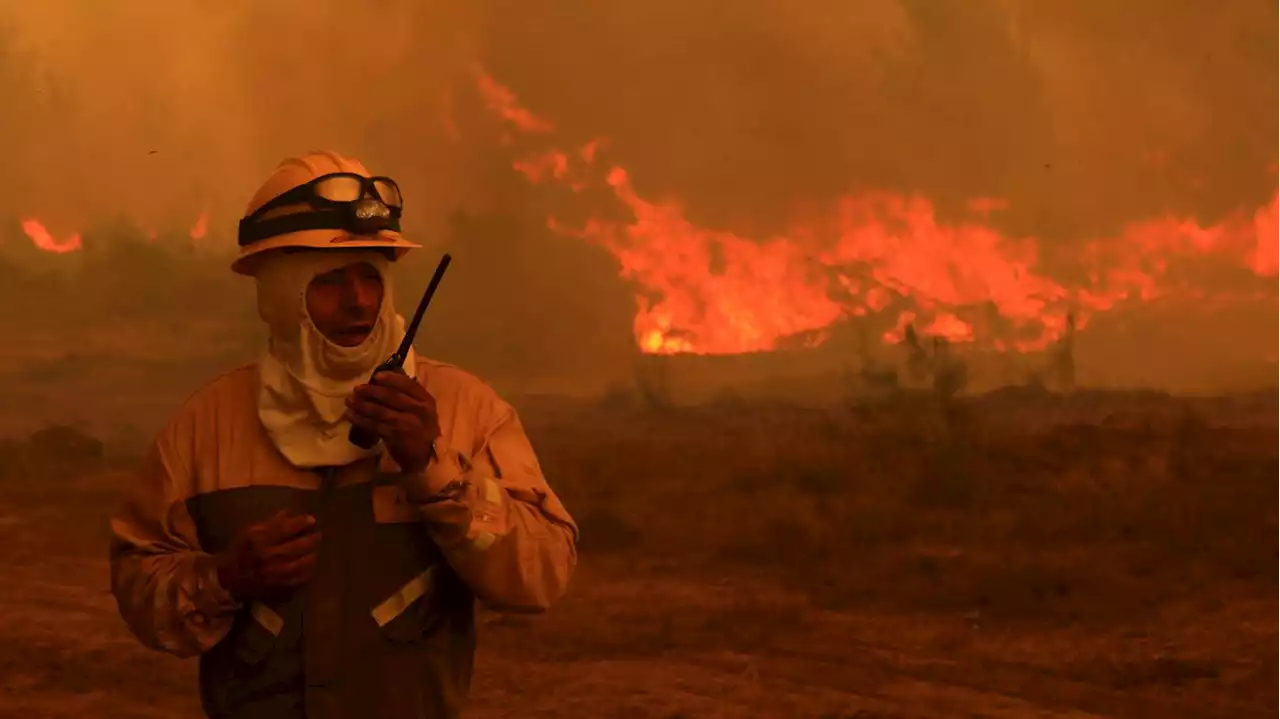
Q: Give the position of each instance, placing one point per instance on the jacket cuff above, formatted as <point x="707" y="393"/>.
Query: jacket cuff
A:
<point x="440" y="481"/>
<point x="463" y="508"/>
<point x="209" y="599"/>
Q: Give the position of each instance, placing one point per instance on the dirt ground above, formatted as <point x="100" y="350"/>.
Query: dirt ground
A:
<point x="1020" y="555"/>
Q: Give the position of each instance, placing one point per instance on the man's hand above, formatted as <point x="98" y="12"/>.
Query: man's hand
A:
<point x="400" y="411"/>
<point x="270" y="557"/>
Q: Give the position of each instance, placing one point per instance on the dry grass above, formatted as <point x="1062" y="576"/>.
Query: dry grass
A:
<point x="1022" y="555"/>
<point x="1113" y="558"/>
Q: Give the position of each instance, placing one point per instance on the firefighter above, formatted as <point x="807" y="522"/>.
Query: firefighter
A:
<point x="311" y="577"/>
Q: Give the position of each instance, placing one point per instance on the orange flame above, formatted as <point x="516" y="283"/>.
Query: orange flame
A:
<point x="709" y="291"/>
<point x="201" y="227"/>
<point x="502" y="102"/>
<point x="44" y="240"/>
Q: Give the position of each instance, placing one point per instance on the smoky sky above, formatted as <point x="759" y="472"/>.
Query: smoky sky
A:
<point x="1084" y="114"/>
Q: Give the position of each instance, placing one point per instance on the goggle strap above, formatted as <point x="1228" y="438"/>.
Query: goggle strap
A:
<point x="252" y="231"/>
<point x="297" y="195"/>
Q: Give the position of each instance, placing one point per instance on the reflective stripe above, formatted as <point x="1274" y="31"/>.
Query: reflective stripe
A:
<point x="267" y="617"/>
<point x="400" y="601"/>
<point x="492" y="493"/>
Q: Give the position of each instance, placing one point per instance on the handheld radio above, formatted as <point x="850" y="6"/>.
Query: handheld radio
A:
<point x="395" y="363"/>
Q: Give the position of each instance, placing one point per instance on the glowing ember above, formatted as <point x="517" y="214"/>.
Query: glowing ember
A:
<point x="707" y="291"/>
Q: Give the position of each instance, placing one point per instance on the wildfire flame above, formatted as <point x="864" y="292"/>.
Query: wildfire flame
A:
<point x="43" y="239"/>
<point x="200" y="228"/>
<point x="715" y="292"/>
<point x="880" y="255"/>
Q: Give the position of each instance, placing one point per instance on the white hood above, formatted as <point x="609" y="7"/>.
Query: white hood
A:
<point x="305" y="378"/>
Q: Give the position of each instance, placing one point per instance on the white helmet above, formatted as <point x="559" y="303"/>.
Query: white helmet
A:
<point x="321" y="200"/>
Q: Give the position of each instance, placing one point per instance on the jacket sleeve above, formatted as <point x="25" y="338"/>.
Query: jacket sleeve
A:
<point x="165" y="587"/>
<point x="497" y="521"/>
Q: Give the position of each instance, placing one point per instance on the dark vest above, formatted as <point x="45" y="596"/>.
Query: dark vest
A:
<point x="384" y="629"/>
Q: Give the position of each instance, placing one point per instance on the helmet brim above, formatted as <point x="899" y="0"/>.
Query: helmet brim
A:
<point x="249" y="257"/>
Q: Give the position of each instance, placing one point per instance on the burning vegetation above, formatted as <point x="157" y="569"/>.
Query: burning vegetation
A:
<point x="959" y="524"/>
<point x="884" y="264"/>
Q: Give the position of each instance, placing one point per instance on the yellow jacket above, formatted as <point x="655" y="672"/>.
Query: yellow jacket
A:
<point x="385" y="627"/>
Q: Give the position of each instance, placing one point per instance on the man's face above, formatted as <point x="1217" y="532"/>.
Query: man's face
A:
<point x="344" y="303"/>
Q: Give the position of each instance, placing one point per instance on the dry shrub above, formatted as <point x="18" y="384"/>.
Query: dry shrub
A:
<point x="1069" y="520"/>
<point x="1064" y="522"/>
<point x="602" y="529"/>
<point x="52" y="453"/>
<point x="653" y="381"/>
<point x="122" y="274"/>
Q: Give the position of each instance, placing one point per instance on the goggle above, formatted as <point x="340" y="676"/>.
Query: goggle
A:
<point x="338" y="201"/>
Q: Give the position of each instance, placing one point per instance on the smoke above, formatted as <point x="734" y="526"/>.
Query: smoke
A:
<point x="1083" y="114"/>
<point x="1093" y="111"/>
<point x="160" y="110"/>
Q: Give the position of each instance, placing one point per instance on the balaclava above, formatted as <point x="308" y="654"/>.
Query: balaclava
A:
<point x="305" y="378"/>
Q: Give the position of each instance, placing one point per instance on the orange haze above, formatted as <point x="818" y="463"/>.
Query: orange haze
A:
<point x="756" y="174"/>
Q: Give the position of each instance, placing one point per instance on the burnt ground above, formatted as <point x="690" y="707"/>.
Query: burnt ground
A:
<point x="1022" y="555"/>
